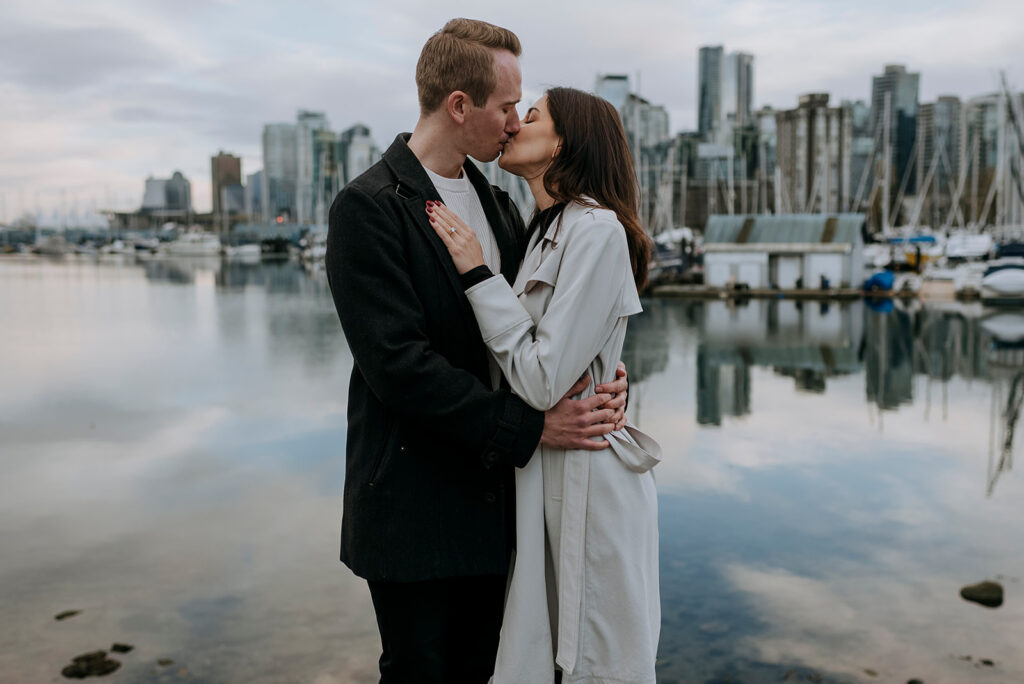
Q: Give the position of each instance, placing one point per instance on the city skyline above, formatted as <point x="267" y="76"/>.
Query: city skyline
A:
<point x="101" y="97"/>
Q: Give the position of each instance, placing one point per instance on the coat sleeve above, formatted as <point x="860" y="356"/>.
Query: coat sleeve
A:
<point x="384" y="322"/>
<point x="542" y="361"/>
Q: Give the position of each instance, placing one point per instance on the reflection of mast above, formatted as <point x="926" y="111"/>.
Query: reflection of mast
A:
<point x="1010" y="416"/>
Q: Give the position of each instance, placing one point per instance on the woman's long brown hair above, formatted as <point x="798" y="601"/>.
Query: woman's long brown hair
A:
<point x="595" y="161"/>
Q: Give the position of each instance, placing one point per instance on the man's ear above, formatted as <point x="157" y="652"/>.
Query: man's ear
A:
<point x="456" y="105"/>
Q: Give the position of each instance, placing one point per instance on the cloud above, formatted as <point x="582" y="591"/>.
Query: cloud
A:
<point x="160" y="86"/>
<point x="62" y="59"/>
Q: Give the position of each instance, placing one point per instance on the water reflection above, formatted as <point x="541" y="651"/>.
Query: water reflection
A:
<point x="173" y="437"/>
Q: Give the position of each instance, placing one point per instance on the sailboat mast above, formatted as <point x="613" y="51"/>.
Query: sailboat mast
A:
<point x="886" y="163"/>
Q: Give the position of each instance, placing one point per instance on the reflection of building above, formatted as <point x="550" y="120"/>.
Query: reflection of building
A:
<point x="806" y="251"/>
<point x="934" y="342"/>
<point x="723" y="386"/>
<point x="809" y="342"/>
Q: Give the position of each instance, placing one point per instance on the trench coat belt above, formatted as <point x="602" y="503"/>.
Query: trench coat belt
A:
<point x="571" y="557"/>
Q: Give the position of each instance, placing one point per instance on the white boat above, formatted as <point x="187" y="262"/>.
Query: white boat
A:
<point x="119" y="247"/>
<point x="1003" y="279"/>
<point x="314" y="247"/>
<point x="877" y="255"/>
<point x="194" y="244"/>
<point x="969" y="246"/>
<point x="967" y="278"/>
<point x="242" y="252"/>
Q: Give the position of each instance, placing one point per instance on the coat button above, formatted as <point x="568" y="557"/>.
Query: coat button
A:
<point x="490" y="458"/>
<point x="490" y="498"/>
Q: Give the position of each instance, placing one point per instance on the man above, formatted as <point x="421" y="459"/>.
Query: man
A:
<point x="433" y="434"/>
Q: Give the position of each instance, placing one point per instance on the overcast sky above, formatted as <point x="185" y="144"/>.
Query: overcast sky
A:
<point x="96" y="96"/>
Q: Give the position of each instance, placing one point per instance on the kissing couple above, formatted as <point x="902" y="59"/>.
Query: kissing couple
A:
<point x="500" y="506"/>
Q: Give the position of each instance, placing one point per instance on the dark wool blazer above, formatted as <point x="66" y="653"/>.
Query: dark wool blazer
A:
<point x="431" y="448"/>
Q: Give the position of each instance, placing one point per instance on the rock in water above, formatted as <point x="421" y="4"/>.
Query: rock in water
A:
<point x="95" y="664"/>
<point x="122" y="648"/>
<point x="66" y="614"/>
<point x="989" y="594"/>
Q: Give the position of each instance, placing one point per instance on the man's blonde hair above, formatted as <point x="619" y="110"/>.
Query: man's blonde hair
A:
<point x="460" y="57"/>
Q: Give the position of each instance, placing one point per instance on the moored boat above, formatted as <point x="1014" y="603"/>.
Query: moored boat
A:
<point x="194" y="244"/>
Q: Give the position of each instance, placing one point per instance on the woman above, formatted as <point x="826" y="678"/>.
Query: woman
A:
<point x="583" y="593"/>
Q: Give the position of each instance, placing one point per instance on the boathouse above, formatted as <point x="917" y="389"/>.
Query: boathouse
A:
<point x="786" y="252"/>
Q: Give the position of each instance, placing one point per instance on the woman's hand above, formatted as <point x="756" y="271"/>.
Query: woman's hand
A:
<point x="457" y="237"/>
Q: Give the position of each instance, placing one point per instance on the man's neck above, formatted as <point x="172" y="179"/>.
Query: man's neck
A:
<point x="432" y="144"/>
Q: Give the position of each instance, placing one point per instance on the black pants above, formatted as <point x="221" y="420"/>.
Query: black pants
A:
<point x="443" y="631"/>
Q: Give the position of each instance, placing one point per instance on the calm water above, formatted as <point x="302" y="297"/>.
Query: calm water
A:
<point x="172" y="453"/>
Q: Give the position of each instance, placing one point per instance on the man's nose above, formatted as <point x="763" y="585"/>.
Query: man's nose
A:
<point x="512" y="125"/>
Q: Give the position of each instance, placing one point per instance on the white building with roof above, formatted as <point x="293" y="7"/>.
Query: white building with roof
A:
<point x="788" y="252"/>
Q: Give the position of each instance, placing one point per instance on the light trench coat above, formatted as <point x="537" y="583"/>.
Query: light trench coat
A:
<point x="583" y="589"/>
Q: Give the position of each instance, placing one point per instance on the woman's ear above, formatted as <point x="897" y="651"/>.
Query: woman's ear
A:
<point x="558" y="149"/>
<point x="456" y="104"/>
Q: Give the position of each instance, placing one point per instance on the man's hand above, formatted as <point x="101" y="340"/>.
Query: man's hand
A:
<point x="571" y="423"/>
<point x="618" y="389"/>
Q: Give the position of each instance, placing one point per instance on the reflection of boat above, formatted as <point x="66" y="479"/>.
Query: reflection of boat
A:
<point x="243" y="252"/>
<point x="1006" y="328"/>
<point x="194" y="244"/>
<point x="52" y="245"/>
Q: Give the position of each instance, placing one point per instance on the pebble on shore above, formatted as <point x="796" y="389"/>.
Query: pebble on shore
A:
<point x="95" y="664"/>
<point x="988" y="594"/>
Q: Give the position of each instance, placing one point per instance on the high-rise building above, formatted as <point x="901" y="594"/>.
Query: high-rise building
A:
<point x="326" y="173"/>
<point x="814" y="156"/>
<point x="225" y="170"/>
<point x="307" y="125"/>
<point x="280" y="171"/>
<point x="862" y="148"/>
<point x="940" y="154"/>
<point x="168" y="197"/>
<point x="254" y="196"/>
<point x="900" y="87"/>
<point x="737" y="89"/>
<point x="614" y="88"/>
<point x="725" y="93"/>
<point x="357" y="152"/>
<point x="709" y="90"/>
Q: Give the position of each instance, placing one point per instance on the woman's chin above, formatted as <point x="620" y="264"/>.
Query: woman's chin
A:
<point x="507" y="164"/>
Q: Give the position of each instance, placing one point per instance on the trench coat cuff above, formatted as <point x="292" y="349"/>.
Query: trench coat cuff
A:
<point x="474" y="276"/>
<point x="518" y="434"/>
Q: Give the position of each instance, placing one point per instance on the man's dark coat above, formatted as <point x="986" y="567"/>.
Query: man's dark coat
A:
<point x="431" y="448"/>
